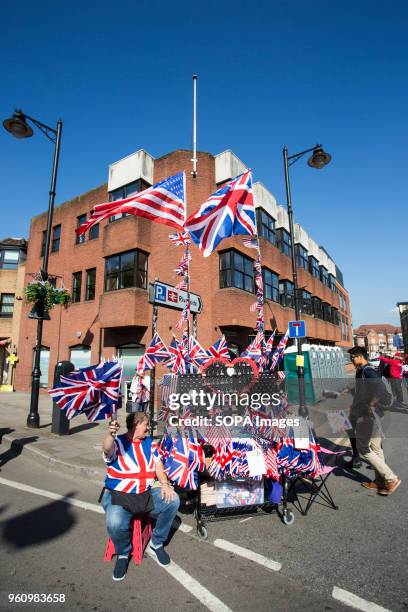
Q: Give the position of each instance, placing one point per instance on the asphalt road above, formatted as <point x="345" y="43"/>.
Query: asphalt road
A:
<point x="50" y="546"/>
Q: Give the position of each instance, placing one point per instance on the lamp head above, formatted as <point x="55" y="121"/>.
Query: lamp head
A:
<point x="319" y="158"/>
<point x="18" y="126"/>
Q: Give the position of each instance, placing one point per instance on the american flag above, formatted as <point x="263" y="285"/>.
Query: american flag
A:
<point x="156" y="352"/>
<point x="163" y="202"/>
<point x="228" y="212"/>
<point x="94" y="391"/>
<point x="198" y="355"/>
<point x="279" y="351"/>
<point x="168" y="386"/>
<point x="251" y="243"/>
<point x="219" y="350"/>
<point x="180" y="239"/>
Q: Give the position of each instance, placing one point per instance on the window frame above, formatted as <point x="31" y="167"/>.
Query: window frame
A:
<point x="234" y="271"/>
<point x="305" y="299"/>
<point x="89" y="285"/>
<point x="285" y="246"/>
<point x="317" y="307"/>
<point x="301" y="254"/>
<point x="4" y="265"/>
<point x="286" y="299"/>
<point x="313" y="267"/>
<point x="76" y="292"/>
<point x="266" y="225"/>
<point x="7" y="314"/>
<point x="125" y="192"/>
<point x="81" y="219"/>
<point x="56" y="240"/>
<point x="324" y="276"/>
<point x="137" y="270"/>
<point x="274" y="291"/>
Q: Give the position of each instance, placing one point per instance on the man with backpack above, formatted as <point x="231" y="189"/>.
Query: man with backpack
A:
<point x="365" y="415"/>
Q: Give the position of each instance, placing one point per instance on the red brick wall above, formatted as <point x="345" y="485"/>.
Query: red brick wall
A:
<point x="129" y="307"/>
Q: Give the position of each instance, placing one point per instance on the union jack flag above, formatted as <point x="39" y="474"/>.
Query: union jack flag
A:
<point x="182" y="268"/>
<point x="254" y="350"/>
<point x="184" y="459"/>
<point x="219" y="350"/>
<point x="177" y="361"/>
<point x="182" y="285"/>
<point x="279" y="351"/>
<point x="197" y="354"/>
<point x="163" y="202"/>
<point x="180" y="239"/>
<point x="156" y="352"/>
<point x="228" y="212"/>
<point x="94" y="391"/>
<point x="263" y="362"/>
<point x="251" y="243"/>
<point x="132" y="467"/>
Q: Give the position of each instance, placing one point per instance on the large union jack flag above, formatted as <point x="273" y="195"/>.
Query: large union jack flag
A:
<point x="228" y="212"/>
<point x="219" y="350"/>
<point x="93" y="391"/>
<point x="132" y="469"/>
<point x="164" y="202"/>
<point x="184" y="459"/>
<point x="156" y="352"/>
<point x="177" y="361"/>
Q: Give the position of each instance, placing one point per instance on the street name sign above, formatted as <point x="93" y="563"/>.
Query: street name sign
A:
<point x="297" y="329"/>
<point x="162" y="294"/>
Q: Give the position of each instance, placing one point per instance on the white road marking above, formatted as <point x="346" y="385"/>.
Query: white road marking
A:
<point x="248" y="554"/>
<point x="356" y="602"/>
<point x="68" y="500"/>
<point x="246" y="519"/>
<point x="191" y="584"/>
<point x="72" y="501"/>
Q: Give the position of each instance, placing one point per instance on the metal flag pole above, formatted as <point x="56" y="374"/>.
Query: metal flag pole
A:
<point x="194" y="159"/>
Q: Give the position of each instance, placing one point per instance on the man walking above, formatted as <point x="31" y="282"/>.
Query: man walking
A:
<point x="395" y="377"/>
<point x="365" y="415"/>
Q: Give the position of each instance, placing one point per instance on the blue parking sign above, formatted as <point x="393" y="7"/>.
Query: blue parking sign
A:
<point x="297" y="329"/>
<point x="161" y="293"/>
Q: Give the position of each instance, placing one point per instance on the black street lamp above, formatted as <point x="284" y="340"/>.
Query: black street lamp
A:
<point x="18" y="126"/>
<point x="318" y="160"/>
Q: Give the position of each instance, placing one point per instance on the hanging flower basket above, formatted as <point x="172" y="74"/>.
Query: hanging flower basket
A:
<point x="50" y="295"/>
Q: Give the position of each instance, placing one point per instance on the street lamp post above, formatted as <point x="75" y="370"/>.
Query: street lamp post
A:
<point x="17" y="125"/>
<point x="318" y="160"/>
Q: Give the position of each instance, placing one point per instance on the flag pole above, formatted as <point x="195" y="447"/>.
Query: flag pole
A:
<point x="194" y="159"/>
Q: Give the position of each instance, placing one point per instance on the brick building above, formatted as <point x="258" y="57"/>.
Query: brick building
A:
<point x="377" y="338"/>
<point x="12" y="278"/>
<point x="109" y="270"/>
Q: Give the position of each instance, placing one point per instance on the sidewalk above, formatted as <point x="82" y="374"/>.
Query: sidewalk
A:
<point x="77" y="453"/>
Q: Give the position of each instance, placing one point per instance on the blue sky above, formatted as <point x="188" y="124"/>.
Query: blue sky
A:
<point x="270" y="73"/>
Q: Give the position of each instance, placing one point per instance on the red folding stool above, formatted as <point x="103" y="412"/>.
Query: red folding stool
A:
<point x="140" y="538"/>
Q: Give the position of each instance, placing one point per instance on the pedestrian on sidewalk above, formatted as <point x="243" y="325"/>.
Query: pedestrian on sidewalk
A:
<point x="135" y="483"/>
<point x="394" y="376"/>
<point x="365" y="416"/>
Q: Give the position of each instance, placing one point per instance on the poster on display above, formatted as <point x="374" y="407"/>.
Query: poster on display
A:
<point x="231" y="494"/>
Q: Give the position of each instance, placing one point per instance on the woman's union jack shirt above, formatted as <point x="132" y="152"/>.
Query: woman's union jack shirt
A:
<point x="132" y="468"/>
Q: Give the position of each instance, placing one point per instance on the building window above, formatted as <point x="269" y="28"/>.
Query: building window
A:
<point x="301" y="256"/>
<point x="9" y="259"/>
<point x="236" y="270"/>
<point x="76" y="286"/>
<point x="90" y="284"/>
<point x="56" y="239"/>
<point x="324" y="276"/>
<point x="317" y="307"/>
<point x="130" y="354"/>
<point x="271" y="285"/>
<point x="6" y="304"/>
<point x="44" y="365"/>
<point x="44" y="234"/>
<point x="314" y="267"/>
<point x="80" y="356"/>
<point x="332" y="283"/>
<point x="326" y="312"/>
<point x="266" y="226"/>
<point x="126" y="270"/>
<point x="94" y="232"/>
<point x="305" y="301"/>
<point x="125" y="192"/>
<point x="286" y="294"/>
<point x="283" y="241"/>
<point x="80" y="221"/>
<point x="335" y="317"/>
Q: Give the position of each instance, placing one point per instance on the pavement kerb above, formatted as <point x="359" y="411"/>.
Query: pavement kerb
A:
<point x="55" y="464"/>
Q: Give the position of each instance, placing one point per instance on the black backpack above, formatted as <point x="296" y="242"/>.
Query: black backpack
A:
<point x="386" y="398"/>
